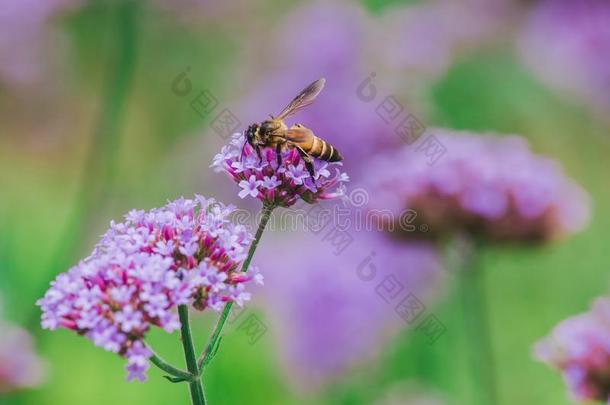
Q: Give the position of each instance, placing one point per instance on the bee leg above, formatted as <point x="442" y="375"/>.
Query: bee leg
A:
<point x="258" y="153"/>
<point x="278" y="154"/>
<point x="308" y="162"/>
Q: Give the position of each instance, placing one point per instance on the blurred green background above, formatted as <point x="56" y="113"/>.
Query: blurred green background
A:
<point x="102" y="133"/>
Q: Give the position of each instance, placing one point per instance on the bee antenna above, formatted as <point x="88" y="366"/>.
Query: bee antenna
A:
<point x="271" y="116"/>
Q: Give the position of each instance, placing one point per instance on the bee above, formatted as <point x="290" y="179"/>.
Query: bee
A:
<point x="276" y="134"/>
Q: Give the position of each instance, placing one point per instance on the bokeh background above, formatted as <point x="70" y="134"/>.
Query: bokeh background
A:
<point x="91" y="125"/>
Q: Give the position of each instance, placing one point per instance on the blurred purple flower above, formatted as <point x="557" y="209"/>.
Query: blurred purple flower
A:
<point x="185" y="252"/>
<point x="483" y="184"/>
<point x="567" y="45"/>
<point x="277" y="185"/>
<point x="24" y="37"/>
<point x="423" y="40"/>
<point x="580" y="348"/>
<point x="20" y="367"/>
<point x="330" y="311"/>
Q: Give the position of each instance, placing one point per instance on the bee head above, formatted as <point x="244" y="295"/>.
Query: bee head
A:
<point x="252" y="134"/>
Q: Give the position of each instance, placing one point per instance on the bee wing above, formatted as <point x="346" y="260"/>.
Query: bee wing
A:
<point x="305" y="98"/>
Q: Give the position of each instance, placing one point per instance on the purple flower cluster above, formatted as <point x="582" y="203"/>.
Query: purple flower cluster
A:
<point x="484" y="184"/>
<point x="186" y="252"/>
<point x="278" y="185"/>
<point x="580" y="348"/>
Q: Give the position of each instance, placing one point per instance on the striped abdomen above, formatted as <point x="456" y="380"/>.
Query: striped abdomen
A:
<point x="323" y="150"/>
<point x="313" y="145"/>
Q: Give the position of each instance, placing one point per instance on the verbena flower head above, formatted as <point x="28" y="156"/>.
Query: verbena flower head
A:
<point x="278" y="185"/>
<point x="580" y="348"/>
<point x="186" y="252"/>
<point x="488" y="185"/>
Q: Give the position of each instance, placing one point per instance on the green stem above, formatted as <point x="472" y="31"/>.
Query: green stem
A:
<point x="195" y="385"/>
<point x="476" y="318"/>
<point x="267" y="210"/>
<point x="207" y="355"/>
<point x="168" y="368"/>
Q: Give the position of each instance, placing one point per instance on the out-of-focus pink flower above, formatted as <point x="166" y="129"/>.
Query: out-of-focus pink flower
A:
<point x="333" y="308"/>
<point x="421" y="41"/>
<point x="24" y="37"/>
<point x="483" y="184"/>
<point x="186" y="252"/>
<point x="278" y="185"/>
<point x="580" y="348"/>
<point x="567" y="45"/>
<point x="20" y="367"/>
